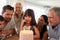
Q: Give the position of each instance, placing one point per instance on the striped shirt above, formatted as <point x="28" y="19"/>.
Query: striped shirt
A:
<point x="54" y="34"/>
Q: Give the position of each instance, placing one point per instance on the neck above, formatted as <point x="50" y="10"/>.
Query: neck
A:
<point x="17" y="15"/>
<point x="28" y="25"/>
<point x="7" y="21"/>
<point x="54" y="26"/>
<point x="41" y="26"/>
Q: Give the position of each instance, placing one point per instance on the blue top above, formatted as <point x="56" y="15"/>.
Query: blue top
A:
<point x="54" y="33"/>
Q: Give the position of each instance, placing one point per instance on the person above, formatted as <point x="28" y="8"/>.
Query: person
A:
<point x="42" y="25"/>
<point x="2" y="25"/>
<point x="18" y="15"/>
<point x="28" y="23"/>
<point x="7" y="13"/>
<point x="54" y="23"/>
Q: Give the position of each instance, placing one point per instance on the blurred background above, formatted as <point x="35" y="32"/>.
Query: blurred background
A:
<point x="40" y="7"/>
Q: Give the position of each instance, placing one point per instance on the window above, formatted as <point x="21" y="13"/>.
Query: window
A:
<point x="2" y="3"/>
<point x="37" y="10"/>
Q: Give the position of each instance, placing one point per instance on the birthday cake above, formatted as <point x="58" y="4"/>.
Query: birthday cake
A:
<point x="26" y="35"/>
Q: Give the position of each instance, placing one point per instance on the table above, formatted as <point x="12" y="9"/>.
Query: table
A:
<point x="15" y="37"/>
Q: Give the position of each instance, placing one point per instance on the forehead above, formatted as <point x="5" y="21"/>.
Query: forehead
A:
<point x="28" y="15"/>
<point x="41" y="17"/>
<point x="18" y="5"/>
<point x="9" y="12"/>
<point x="2" y="22"/>
<point x="51" y="13"/>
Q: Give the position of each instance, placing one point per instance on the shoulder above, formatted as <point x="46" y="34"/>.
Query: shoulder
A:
<point x="45" y="34"/>
<point x="35" y="27"/>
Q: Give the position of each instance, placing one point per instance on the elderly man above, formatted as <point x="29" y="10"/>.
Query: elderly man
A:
<point x="18" y="15"/>
<point x="54" y="23"/>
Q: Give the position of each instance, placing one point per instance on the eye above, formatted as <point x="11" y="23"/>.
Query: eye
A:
<point x="0" y="24"/>
<point x="29" y="16"/>
<point x="7" y="14"/>
<point x="41" y="19"/>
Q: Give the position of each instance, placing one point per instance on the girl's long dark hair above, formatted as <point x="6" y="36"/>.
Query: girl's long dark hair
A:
<point x="30" y="12"/>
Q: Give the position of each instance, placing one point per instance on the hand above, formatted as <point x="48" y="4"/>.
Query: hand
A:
<point x="23" y="21"/>
<point x="22" y="24"/>
<point x="0" y="34"/>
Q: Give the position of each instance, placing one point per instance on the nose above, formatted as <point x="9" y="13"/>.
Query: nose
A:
<point x="18" y="8"/>
<point x="50" y="19"/>
<point x="10" y="16"/>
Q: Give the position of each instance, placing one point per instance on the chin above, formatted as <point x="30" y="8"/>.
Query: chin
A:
<point x="8" y="20"/>
<point x="28" y="23"/>
<point x="52" y="25"/>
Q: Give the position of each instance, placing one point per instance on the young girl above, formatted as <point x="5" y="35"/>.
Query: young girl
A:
<point x="29" y="23"/>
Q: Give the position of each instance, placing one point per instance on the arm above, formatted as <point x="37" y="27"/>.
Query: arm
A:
<point x="45" y="36"/>
<point x="21" y="26"/>
<point x="0" y="34"/>
<point x="37" y="35"/>
<point x="8" y="32"/>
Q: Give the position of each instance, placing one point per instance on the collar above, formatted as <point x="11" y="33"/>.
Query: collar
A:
<point x="57" y="27"/>
<point x="19" y="14"/>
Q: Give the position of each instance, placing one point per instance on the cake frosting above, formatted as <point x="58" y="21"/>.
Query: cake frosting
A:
<point x="26" y="35"/>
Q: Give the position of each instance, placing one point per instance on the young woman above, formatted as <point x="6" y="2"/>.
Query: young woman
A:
<point x="29" y="23"/>
<point x="42" y="24"/>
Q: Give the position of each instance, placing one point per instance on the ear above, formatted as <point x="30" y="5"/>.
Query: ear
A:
<point x="59" y="18"/>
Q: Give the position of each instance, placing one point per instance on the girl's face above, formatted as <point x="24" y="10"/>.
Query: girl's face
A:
<point x="41" y="21"/>
<point x="28" y="19"/>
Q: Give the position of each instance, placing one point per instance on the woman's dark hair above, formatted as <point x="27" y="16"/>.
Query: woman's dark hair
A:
<point x="2" y="18"/>
<point x="45" y="18"/>
<point x="30" y="12"/>
<point x="7" y="7"/>
<point x="44" y="29"/>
